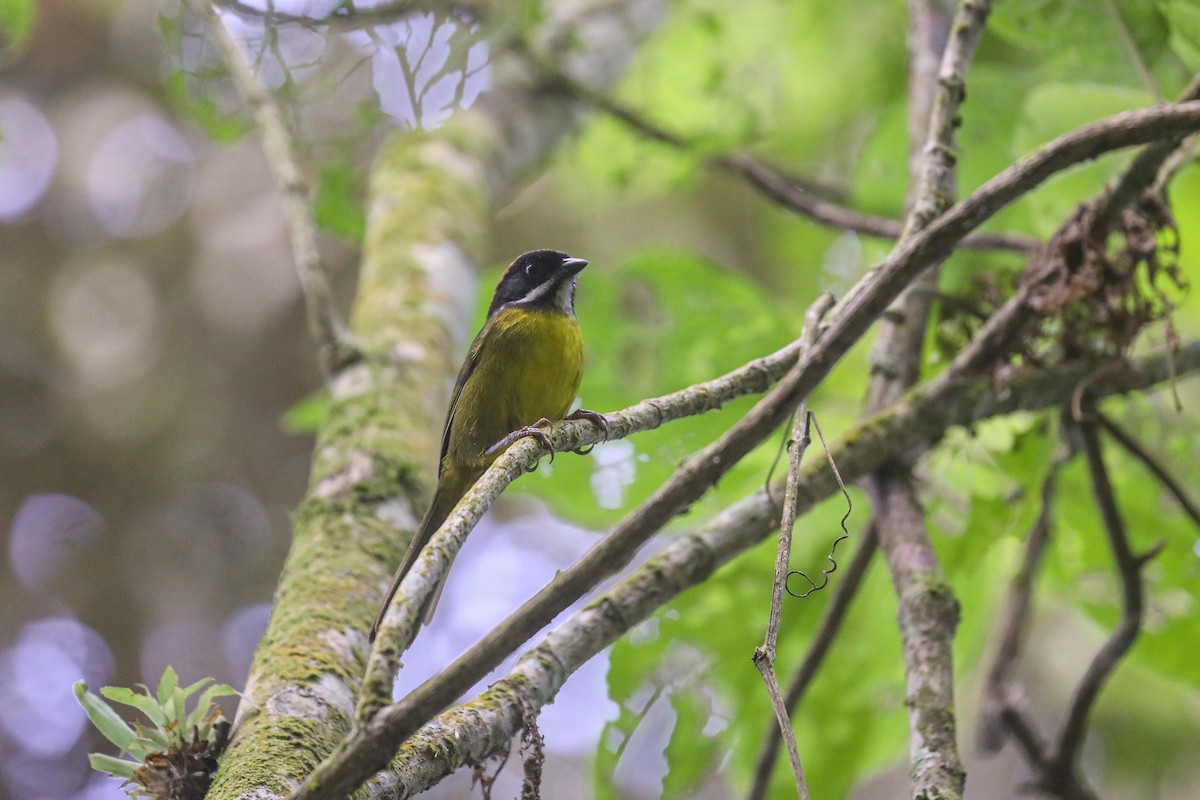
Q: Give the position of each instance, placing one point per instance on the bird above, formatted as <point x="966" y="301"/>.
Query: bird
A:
<point x="521" y="372"/>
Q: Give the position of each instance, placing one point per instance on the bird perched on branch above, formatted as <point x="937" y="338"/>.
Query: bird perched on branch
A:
<point x="521" y="373"/>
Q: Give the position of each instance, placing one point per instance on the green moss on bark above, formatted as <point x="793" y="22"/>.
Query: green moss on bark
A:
<point x="374" y="465"/>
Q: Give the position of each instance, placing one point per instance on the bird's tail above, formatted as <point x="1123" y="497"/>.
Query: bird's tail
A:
<point x="451" y="488"/>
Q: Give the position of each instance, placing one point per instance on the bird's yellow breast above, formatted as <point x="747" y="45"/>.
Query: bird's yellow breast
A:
<point x="529" y="366"/>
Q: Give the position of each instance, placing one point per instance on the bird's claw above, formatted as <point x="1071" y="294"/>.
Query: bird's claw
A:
<point x="533" y="431"/>
<point x="599" y="420"/>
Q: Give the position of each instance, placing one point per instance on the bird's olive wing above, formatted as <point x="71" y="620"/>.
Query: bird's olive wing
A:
<point x="468" y="366"/>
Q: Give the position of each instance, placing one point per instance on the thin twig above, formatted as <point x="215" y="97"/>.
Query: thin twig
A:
<point x="1031" y="743"/>
<point x="334" y="350"/>
<point x="764" y="656"/>
<point x="1014" y="619"/>
<point x="785" y="724"/>
<point x="1132" y="52"/>
<point x="1183" y="155"/>
<point x="343" y="18"/>
<point x="1129" y="566"/>
<point x="813" y="586"/>
<point x="485" y="781"/>
<point x="791" y="193"/>
<point x="827" y="630"/>
<point x="1156" y="467"/>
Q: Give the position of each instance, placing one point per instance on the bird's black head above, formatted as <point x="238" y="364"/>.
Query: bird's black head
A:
<point x="542" y="279"/>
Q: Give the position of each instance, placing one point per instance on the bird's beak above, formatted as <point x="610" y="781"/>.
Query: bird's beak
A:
<point x="574" y="266"/>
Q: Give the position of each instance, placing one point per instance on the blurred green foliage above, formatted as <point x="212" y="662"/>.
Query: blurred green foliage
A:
<point x="16" y="23"/>
<point x="820" y="89"/>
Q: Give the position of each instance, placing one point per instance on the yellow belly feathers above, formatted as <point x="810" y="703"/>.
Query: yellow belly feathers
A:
<point x="529" y="368"/>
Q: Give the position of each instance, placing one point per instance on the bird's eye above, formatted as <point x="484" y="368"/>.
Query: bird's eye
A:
<point x="528" y="269"/>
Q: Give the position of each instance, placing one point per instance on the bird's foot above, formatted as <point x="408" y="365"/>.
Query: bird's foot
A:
<point x="599" y="420"/>
<point x="534" y="431"/>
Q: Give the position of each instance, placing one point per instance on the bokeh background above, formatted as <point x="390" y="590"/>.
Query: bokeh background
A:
<point x="145" y="290"/>
<point x="153" y="347"/>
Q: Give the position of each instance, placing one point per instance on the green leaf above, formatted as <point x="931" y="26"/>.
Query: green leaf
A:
<point x="117" y="767"/>
<point x="102" y="715"/>
<point x="692" y="755"/>
<point x="1092" y="41"/>
<point x="147" y="705"/>
<point x="150" y="739"/>
<point x="307" y="413"/>
<point x="199" y="715"/>
<point x="202" y="110"/>
<point x="16" y="22"/>
<point x="166" y="686"/>
<point x="1183" y="17"/>
<point x="1053" y="109"/>
<point x="188" y="691"/>
<point x="178" y="713"/>
<point x="338" y="206"/>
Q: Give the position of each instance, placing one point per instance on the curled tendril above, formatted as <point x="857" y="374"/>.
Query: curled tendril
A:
<point x="825" y="573"/>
